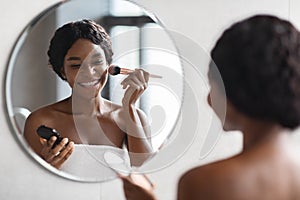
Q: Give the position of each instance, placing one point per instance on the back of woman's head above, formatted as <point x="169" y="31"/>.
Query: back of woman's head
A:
<point x="259" y="61"/>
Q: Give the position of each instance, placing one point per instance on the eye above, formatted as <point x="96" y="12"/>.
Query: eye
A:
<point x="75" y="66"/>
<point x="98" y="62"/>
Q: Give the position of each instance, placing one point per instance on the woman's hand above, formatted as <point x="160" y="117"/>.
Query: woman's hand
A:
<point x="135" y="121"/>
<point x="59" y="154"/>
<point x="137" y="188"/>
<point x="136" y="83"/>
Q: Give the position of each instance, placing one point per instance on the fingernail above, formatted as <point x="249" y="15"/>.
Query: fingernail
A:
<point x="65" y="140"/>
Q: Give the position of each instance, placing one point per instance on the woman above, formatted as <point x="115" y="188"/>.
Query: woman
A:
<point x="80" y="53"/>
<point x="259" y="61"/>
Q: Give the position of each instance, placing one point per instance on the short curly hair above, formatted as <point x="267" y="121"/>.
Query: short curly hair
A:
<point x="68" y="34"/>
<point x="259" y="61"/>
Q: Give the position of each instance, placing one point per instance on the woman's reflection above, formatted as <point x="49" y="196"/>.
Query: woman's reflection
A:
<point x="80" y="53"/>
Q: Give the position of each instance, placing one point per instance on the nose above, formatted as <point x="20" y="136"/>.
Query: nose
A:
<point x="92" y="70"/>
<point x="89" y="71"/>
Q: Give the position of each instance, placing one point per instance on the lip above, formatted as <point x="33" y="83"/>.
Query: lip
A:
<point x="89" y="84"/>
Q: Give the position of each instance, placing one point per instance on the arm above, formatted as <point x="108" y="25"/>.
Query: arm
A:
<point x="54" y="156"/>
<point x="138" y="131"/>
<point x="136" y="123"/>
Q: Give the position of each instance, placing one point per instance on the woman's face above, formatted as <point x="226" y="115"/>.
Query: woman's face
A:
<point x="85" y="68"/>
<point x="215" y="99"/>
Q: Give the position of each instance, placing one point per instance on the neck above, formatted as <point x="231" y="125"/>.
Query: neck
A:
<point x="257" y="132"/>
<point x="90" y="107"/>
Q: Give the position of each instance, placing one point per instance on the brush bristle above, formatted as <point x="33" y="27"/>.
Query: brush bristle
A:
<point x="114" y="70"/>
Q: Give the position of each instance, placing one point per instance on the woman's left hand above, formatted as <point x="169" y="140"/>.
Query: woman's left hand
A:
<point x="134" y="122"/>
<point x="136" y="83"/>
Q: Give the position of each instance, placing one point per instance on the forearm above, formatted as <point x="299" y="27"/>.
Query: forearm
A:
<point x="138" y="133"/>
<point x="138" y="137"/>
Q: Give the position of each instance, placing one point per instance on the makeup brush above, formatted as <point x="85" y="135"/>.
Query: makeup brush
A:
<point x="115" y="70"/>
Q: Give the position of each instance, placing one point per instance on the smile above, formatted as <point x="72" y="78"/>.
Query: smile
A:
<point x="90" y="84"/>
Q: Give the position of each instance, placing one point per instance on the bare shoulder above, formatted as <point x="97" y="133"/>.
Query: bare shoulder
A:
<point x="218" y="180"/>
<point x="46" y="113"/>
<point x="246" y="176"/>
<point x="42" y="116"/>
<point x="39" y="116"/>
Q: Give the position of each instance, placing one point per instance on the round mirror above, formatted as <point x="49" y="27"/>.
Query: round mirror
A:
<point x="139" y="41"/>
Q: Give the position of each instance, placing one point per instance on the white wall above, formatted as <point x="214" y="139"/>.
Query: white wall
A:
<point x="201" y="20"/>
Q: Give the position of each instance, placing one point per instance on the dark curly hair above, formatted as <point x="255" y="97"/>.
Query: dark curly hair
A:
<point x="259" y="62"/>
<point x="68" y="34"/>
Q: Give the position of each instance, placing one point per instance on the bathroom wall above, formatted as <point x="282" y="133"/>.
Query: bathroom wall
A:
<point x="201" y="20"/>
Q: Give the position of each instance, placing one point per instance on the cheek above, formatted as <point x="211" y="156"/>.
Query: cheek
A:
<point x="103" y="81"/>
<point x="71" y="78"/>
<point x="229" y="122"/>
<point x="213" y="98"/>
<point x="208" y="99"/>
<point x="104" y="76"/>
<point x="232" y="118"/>
<point x="71" y="82"/>
<point x="217" y="102"/>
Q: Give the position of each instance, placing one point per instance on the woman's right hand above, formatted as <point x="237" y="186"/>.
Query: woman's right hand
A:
<point x="59" y="154"/>
<point x="137" y="187"/>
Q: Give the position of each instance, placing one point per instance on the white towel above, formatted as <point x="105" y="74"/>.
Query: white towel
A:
<point x="89" y="162"/>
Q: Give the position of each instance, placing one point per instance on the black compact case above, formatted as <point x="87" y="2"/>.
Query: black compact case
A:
<point x="46" y="133"/>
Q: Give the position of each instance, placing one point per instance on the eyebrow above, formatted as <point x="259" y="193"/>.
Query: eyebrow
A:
<point x="73" y="58"/>
<point x="78" y="58"/>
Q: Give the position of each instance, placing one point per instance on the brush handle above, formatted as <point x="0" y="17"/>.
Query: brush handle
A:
<point x="128" y="71"/>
